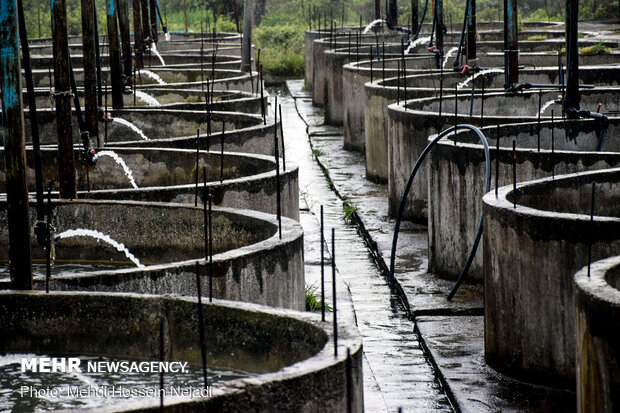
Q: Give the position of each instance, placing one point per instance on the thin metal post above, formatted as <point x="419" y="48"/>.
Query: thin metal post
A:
<point x="539" y="109"/>
<point x="514" y="172"/>
<point x="222" y="151"/>
<point x="49" y="240"/>
<point x="197" y="156"/>
<point x="349" y="371"/>
<point x="114" y="55"/>
<point x="161" y="359"/>
<point x="456" y="106"/>
<point x="552" y="145"/>
<point x="201" y="328"/>
<point x="282" y="136"/>
<point x="322" y="267"/>
<point x="497" y="162"/>
<point x="482" y="105"/>
<point x="210" y="201"/>
<point x="440" y="89"/>
<point x="592" y="223"/>
<point x="334" y="293"/>
<point x="277" y="156"/>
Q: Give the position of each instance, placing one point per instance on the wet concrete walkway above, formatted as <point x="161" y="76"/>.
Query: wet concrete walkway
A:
<point x="397" y="374"/>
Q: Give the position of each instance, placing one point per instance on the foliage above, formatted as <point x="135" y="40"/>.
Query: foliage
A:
<point x="312" y="299"/>
<point x="349" y="210"/>
<point x="536" y="38"/>
<point x="597" y="49"/>
<point x="282" y="51"/>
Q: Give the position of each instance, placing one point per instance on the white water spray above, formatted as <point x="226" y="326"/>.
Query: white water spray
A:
<point x="122" y="163"/>
<point x="546" y="105"/>
<point x="448" y="55"/>
<point x="372" y="24"/>
<point x="154" y="50"/>
<point x="416" y="43"/>
<point x="102" y="237"/>
<point x="480" y="73"/>
<point x="131" y="126"/>
<point x="146" y="98"/>
<point x="153" y="76"/>
<point x="167" y="36"/>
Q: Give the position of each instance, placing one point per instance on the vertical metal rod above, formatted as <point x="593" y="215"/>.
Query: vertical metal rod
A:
<point x="161" y="359"/>
<point x="383" y="62"/>
<point x="114" y="55"/>
<point x="322" y="241"/>
<point x="222" y="151"/>
<point x="471" y="98"/>
<point x="282" y="137"/>
<point x="539" y="109"/>
<point x="134" y="85"/>
<point x="514" y="172"/>
<point x="456" y="106"/>
<point x="404" y="69"/>
<point x="482" y="104"/>
<point x="334" y="293"/>
<point x="370" y="49"/>
<point x="48" y="236"/>
<point x="201" y="327"/>
<point x="138" y="37"/>
<point x="202" y="66"/>
<point x="197" y="156"/>
<point x="90" y="67"/>
<point x="592" y="223"/>
<point x="398" y="83"/>
<point x="440" y="89"/>
<point x="205" y="221"/>
<point x="552" y="145"/>
<point x="105" y="113"/>
<point x="277" y="156"/>
<point x="262" y="94"/>
<point x="210" y="199"/>
<point x="497" y="162"/>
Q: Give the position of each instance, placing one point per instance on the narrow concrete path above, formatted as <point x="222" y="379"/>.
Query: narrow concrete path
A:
<point x="397" y="374"/>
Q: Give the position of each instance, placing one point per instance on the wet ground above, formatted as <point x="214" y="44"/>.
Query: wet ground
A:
<point x="397" y="374"/>
<point x="414" y="338"/>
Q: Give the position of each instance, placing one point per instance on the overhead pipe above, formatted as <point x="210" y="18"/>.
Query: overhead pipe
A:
<point x="20" y="264"/>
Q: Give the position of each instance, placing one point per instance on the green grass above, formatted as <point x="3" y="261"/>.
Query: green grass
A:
<point x="349" y="210"/>
<point x="537" y="38"/>
<point x="317" y="152"/>
<point x="313" y="302"/>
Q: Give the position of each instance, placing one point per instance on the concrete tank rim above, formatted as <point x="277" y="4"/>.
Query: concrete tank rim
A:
<point x="501" y="204"/>
<point x="322" y="359"/>
<point x="595" y="285"/>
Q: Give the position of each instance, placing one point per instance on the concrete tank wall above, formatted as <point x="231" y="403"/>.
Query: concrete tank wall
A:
<point x="291" y="353"/>
<point x="530" y="256"/>
<point x="250" y="262"/>
<point x="597" y="320"/>
<point x="457" y="173"/>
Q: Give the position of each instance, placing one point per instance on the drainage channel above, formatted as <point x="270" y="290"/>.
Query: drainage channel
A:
<point x="397" y="374"/>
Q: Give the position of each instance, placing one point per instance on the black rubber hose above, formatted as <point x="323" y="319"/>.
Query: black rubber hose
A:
<point x="403" y="200"/>
<point x="417" y="33"/>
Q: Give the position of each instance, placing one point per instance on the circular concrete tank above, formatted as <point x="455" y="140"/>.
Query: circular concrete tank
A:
<point x="289" y="354"/>
<point x="156" y="127"/>
<point x="597" y="302"/>
<point x="457" y="173"/>
<point x="169" y="175"/>
<point x="531" y="253"/>
<point x="250" y="262"/>
<point x="411" y="125"/>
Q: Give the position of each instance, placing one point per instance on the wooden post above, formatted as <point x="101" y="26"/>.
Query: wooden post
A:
<point x="138" y="35"/>
<point x="153" y="16"/>
<point x="62" y="85"/>
<point x="123" y="20"/>
<point x="114" y="56"/>
<point x="20" y="265"/>
<point x="90" y="67"/>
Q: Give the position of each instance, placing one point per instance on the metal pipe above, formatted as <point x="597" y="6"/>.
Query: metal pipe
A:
<point x="514" y="172"/>
<point x="277" y="156"/>
<point x="222" y="151"/>
<point x="246" y="48"/>
<point x="48" y="239"/>
<point x="511" y="43"/>
<point x="210" y="202"/>
<point x="497" y="162"/>
<point x="161" y="360"/>
<point x="592" y="223"/>
<point x="471" y="30"/>
<point x="197" y="156"/>
<point x="153" y="18"/>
